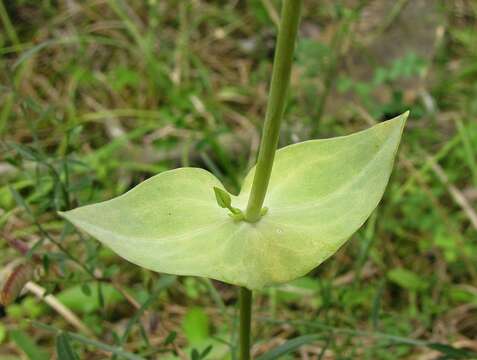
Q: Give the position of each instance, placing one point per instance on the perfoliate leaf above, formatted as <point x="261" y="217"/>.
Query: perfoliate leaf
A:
<point x="320" y="193"/>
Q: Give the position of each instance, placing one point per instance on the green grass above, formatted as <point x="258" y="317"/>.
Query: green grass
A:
<point x="98" y="96"/>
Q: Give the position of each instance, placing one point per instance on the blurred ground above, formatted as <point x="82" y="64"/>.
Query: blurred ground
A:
<point x="98" y="95"/>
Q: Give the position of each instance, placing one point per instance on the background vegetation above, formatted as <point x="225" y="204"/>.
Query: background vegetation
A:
<point x="98" y="95"/>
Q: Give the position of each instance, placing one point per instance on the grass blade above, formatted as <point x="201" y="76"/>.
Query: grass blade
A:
<point x="24" y="342"/>
<point x="64" y="350"/>
<point x="90" y="342"/>
<point x="289" y="346"/>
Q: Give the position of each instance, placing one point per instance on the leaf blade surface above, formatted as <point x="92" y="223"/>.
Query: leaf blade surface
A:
<point x="320" y="193"/>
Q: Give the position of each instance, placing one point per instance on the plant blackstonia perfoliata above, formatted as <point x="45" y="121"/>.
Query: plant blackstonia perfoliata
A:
<point x="183" y="221"/>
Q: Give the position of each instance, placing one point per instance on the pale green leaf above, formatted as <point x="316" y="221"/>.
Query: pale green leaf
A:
<point x="320" y="193"/>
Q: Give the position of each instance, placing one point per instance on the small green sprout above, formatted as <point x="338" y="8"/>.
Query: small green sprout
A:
<point x="224" y="201"/>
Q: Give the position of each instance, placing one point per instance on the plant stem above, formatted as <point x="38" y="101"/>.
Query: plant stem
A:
<point x="7" y="24"/>
<point x="245" y="301"/>
<point x="290" y="18"/>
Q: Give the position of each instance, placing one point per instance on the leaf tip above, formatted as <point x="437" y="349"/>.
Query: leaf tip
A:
<point x="398" y="122"/>
<point x="404" y="116"/>
<point x="63" y="214"/>
<point x="67" y="215"/>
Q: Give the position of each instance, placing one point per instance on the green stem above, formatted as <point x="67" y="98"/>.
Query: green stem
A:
<point x="245" y="301"/>
<point x="7" y="24"/>
<point x="290" y="18"/>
